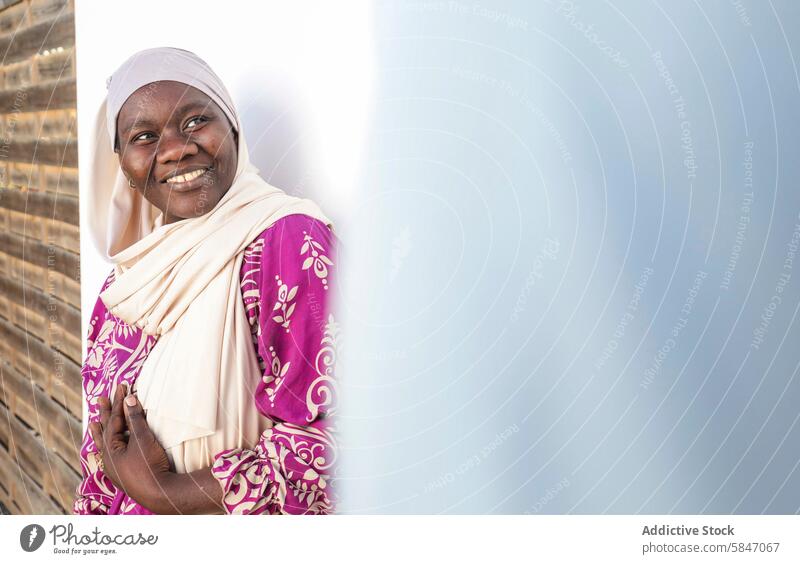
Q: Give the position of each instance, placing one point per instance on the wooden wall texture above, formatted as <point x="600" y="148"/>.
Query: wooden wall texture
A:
<point x="40" y="384"/>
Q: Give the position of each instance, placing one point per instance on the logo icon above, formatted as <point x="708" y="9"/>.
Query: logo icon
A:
<point x="31" y="537"/>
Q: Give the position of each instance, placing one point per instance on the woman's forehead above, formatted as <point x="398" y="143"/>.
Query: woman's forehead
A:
<point x="160" y="101"/>
<point x="154" y="95"/>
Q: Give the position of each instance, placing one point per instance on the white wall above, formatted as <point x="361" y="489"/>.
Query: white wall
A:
<point x="301" y="75"/>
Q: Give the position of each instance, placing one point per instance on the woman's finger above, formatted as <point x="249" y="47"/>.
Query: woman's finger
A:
<point x="135" y="419"/>
<point x="96" y="431"/>
<point x="119" y="394"/>
<point x="115" y="427"/>
<point x="104" y="405"/>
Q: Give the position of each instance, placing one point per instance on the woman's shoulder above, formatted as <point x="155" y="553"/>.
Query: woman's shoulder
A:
<point x="292" y="228"/>
<point x="287" y="241"/>
<point x="294" y="245"/>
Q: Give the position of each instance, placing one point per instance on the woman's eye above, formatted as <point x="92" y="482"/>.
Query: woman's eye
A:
<point x="194" y="122"/>
<point x="142" y="137"/>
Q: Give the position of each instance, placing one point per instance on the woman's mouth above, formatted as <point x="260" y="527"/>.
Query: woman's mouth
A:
<point x="190" y="180"/>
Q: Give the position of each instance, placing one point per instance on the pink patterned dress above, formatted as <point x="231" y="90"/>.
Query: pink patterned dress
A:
<point x="286" y="288"/>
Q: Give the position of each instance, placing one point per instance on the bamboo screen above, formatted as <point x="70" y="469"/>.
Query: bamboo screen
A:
<point x="40" y="396"/>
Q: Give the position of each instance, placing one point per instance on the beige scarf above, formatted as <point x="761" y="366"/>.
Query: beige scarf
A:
<point x="180" y="282"/>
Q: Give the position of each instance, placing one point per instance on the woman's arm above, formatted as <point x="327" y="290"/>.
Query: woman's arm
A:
<point x="288" y="285"/>
<point x="95" y="492"/>
<point x="196" y="493"/>
<point x="287" y="472"/>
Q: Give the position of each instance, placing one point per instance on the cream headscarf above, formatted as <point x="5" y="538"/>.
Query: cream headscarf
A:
<point x="181" y="281"/>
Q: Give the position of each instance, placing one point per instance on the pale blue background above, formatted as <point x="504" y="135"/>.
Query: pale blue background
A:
<point x="466" y="389"/>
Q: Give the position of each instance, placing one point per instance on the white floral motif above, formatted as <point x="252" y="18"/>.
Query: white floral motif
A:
<point x="94" y="390"/>
<point x="274" y="380"/>
<point x="98" y="347"/>
<point x="95" y="357"/>
<point x="321" y="392"/>
<point x="285" y="296"/>
<point x="315" y="447"/>
<point x="124" y="330"/>
<point x="318" y="258"/>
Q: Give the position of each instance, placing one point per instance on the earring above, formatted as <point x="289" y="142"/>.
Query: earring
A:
<point x="131" y="185"/>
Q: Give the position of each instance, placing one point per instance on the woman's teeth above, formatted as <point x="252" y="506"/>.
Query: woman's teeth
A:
<point x="186" y="177"/>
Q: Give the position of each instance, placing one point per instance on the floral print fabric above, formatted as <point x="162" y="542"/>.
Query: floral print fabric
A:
<point x="286" y="280"/>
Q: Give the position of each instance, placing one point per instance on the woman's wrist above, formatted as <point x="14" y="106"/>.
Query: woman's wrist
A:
<point x="158" y="494"/>
<point x="196" y="493"/>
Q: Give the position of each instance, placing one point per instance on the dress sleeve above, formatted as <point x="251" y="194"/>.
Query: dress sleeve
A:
<point x="287" y="289"/>
<point x="95" y="492"/>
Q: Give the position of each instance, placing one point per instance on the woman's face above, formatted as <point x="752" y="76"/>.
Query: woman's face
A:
<point x="177" y="147"/>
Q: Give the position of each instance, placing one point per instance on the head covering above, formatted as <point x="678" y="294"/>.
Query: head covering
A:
<point x="180" y="281"/>
<point x="152" y="65"/>
<point x="118" y="215"/>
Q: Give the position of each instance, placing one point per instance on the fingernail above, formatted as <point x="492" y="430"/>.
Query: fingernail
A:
<point x="131" y="400"/>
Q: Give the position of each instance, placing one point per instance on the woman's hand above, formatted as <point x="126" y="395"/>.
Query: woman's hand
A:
<point x="135" y="462"/>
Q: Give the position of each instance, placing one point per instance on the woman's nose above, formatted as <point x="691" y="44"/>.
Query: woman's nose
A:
<point x="174" y="148"/>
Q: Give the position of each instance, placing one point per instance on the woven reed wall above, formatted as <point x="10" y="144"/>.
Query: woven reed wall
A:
<point x="40" y="392"/>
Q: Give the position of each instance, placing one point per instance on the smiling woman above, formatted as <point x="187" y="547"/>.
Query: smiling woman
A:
<point x="165" y="123"/>
<point x="209" y="367"/>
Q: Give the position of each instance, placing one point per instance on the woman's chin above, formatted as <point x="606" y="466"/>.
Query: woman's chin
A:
<point x="197" y="207"/>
